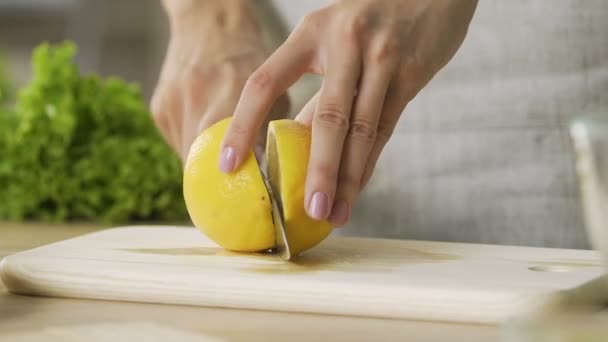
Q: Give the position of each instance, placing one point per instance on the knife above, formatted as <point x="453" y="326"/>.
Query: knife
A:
<point x="281" y="242"/>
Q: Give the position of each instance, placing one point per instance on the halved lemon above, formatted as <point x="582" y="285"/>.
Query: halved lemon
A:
<point x="235" y="210"/>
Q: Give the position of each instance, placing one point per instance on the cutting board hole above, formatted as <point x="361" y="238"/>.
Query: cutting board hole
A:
<point x="551" y="268"/>
<point x="563" y="266"/>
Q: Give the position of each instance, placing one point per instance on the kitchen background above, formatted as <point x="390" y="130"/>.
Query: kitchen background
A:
<point x="123" y="38"/>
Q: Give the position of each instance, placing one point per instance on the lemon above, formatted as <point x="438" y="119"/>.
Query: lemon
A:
<point x="287" y="151"/>
<point x="235" y="210"/>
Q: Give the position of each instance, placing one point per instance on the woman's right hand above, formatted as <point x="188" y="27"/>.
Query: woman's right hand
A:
<point x="213" y="49"/>
<point x="374" y="56"/>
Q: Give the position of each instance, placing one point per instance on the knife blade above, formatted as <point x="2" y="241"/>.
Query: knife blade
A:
<point x="281" y="242"/>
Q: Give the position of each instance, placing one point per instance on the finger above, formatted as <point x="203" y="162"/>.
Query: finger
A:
<point x="265" y="85"/>
<point x="361" y="135"/>
<point x="329" y="128"/>
<point x="163" y="107"/>
<point x="221" y="103"/>
<point x="160" y="118"/>
<point x="206" y="106"/>
<point x="393" y="107"/>
<point x="279" y="110"/>
<point x="196" y="105"/>
<point x="307" y="112"/>
<point x="162" y="122"/>
<point x="405" y="85"/>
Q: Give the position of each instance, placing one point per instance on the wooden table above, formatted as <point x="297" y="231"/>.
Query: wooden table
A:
<point x="53" y="319"/>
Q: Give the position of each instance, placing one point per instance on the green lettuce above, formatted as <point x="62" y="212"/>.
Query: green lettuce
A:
<point x="84" y="148"/>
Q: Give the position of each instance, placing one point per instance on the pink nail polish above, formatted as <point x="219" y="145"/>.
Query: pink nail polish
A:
<point x="228" y="160"/>
<point x="319" y="206"/>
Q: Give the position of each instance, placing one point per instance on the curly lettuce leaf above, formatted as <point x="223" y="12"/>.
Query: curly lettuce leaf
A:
<point x="85" y="148"/>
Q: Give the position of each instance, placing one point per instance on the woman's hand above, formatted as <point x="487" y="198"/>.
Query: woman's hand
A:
<point x="214" y="48"/>
<point x="375" y="56"/>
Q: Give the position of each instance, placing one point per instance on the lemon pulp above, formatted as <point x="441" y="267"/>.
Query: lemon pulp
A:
<point x="287" y="153"/>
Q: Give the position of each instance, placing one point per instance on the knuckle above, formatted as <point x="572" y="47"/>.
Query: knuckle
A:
<point x="349" y="28"/>
<point x="385" y="131"/>
<point x="309" y="23"/>
<point x="194" y="83"/>
<point x="310" y="19"/>
<point x="325" y="171"/>
<point x="355" y="25"/>
<point x="386" y="47"/>
<point x="362" y="130"/>
<point x="237" y="129"/>
<point x="332" y="116"/>
<point x="261" y="81"/>
<point x="350" y="184"/>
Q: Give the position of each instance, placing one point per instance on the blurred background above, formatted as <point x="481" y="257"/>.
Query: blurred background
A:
<point x="123" y="38"/>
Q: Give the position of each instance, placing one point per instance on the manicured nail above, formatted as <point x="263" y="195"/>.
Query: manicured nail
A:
<point x="319" y="206"/>
<point x="340" y="213"/>
<point x="228" y="160"/>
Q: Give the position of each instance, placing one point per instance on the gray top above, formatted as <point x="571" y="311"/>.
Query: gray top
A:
<point x="483" y="153"/>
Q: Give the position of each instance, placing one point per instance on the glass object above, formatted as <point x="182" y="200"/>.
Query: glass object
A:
<point x="590" y="139"/>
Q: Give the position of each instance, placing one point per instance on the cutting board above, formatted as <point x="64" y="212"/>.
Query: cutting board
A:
<point x="342" y="276"/>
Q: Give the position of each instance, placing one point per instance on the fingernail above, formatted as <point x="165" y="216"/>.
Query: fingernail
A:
<point x="319" y="206"/>
<point x="340" y="213"/>
<point x="228" y="160"/>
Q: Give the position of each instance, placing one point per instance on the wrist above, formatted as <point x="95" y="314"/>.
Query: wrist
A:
<point x="219" y="17"/>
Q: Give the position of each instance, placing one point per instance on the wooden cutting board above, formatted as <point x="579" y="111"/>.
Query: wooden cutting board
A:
<point x="344" y="276"/>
